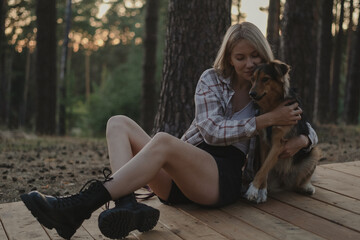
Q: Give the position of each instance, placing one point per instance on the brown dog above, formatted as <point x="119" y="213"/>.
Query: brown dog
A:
<point x="270" y="87"/>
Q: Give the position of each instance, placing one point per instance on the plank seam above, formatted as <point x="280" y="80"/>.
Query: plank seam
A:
<point x="260" y="229"/>
<point x="312" y="213"/>
<point x="221" y="209"/>
<point x="207" y="225"/>
<point x="285" y="220"/>
<point x="349" y="196"/>
<point x="334" y="205"/>
<point x="168" y="228"/>
<point x="340" y="171"/>
<point x="2" y="224"/>
<point x="45" y="230"/>
<point x="88" y="232"/>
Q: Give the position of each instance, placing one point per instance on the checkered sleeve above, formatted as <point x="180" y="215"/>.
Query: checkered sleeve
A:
<point x="313" y="138"/>
<point x="210" y="118"/>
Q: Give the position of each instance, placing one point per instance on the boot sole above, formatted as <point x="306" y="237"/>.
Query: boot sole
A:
<point x="119" y="222"/>
<point x="63" y="230"/>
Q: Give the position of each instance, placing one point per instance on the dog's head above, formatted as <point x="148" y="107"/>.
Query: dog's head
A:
<point x="270" y="83"/>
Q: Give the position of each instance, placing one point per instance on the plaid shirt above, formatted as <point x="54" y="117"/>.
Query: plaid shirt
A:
<point x="213" y="110"/>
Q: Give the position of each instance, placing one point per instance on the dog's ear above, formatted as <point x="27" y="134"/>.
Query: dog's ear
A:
<point x="282" y="68"/>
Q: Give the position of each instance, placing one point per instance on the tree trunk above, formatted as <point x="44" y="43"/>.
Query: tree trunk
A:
<point x="149" y="67"/>
<point x="349" y="54"/>
<point x="238" y="6"/>
<point x="299" y="34"/>
<point x="63" y="100"/>
<point x="46" y="66"/>
<point x="3" y="46"/>
<point x="273" y="26"/>
<point x="194" y="34"/>
<point x="87" y="74"/>
<point x="8" y="78"/>
<point x="353" y="94"/>
<point x="324" y="64"/>
<point x="23" y="113"/>
<point x="337" y="63"/>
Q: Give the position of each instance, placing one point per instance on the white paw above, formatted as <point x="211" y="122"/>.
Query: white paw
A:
<point x="262" y="197"/>
<point x="252" y="193"/>
<point x="255" y="195"/>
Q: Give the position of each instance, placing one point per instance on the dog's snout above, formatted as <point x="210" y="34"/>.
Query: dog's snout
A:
<point x="253" y="94"/>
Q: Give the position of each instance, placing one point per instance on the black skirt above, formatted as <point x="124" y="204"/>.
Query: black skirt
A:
<point x="230" y="162"/>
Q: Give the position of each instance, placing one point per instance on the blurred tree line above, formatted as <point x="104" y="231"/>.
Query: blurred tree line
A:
<point x="67" y="66"/>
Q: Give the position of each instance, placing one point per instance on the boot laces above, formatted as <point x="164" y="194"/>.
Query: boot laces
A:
<point x="87" y="190"/>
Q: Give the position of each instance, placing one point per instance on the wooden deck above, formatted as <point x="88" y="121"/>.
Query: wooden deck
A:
<point x="332" y="213"/>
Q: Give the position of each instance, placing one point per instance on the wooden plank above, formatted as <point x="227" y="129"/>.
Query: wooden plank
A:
<point x="182" y="224"/>
<point x="226" y="224"/>
<point x="19" y="223"/>
<point x="91" y="225"/>
<point x="336" y="199"/>
<point x="17" y="217"/>
<point x="353" y="163"/>
<point x="160" y="232"/>
<point x="338" y="182"/>
<point x="270" y="224"/>
<point x="339" y="176"/>
<point x="321" y="209"/>
<point x="2" y="231"/>
<point x="80" y="233"/>
<point x="308" y="221"/>
<point x="352" y="168"/>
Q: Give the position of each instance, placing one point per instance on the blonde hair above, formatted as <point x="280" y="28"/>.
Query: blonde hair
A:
<point x="233" y="35"/>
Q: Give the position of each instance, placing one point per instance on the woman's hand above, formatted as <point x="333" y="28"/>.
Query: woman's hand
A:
<point x="286" y="114"/>
<point x="293" y="145"/>
<point x="282" y="115"/>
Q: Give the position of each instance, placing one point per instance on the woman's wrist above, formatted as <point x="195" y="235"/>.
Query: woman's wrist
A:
<point x="264" y="121"/>
<point x="306" y="141"/>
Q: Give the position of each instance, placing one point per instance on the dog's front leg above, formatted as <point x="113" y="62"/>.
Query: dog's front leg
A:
<point x="258" y="188"/>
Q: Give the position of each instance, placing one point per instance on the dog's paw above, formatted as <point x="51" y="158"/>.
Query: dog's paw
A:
<point x="262" y="197"/>
<point x="252" y="193"/>
<point x="256" y="195"/>
<point x="307" y="189"/>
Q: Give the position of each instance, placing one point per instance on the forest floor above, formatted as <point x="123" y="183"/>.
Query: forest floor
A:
<point x="61" y="165"/>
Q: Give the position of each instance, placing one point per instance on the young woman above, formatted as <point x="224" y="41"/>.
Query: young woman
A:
<point x="204" y="166"/>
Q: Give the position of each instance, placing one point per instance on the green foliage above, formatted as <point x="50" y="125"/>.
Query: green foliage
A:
<point x="119" y="94"/>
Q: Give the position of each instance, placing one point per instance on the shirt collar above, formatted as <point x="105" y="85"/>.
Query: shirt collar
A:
<point x="227" y="80"/>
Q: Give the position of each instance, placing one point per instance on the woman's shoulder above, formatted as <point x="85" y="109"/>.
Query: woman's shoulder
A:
<point x="211" y="76"/>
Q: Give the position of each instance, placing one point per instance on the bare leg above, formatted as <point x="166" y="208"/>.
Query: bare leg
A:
<point x="125" y="138"/>
<point x="194" y="170"/>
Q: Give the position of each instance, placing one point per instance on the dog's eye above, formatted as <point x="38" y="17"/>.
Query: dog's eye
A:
<point x="265" y="79"/>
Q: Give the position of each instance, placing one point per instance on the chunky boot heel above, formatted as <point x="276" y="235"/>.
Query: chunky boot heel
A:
<point x="126" y="216"/>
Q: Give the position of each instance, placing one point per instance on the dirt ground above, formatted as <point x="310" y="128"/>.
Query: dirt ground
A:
<point x="61" y="165"/>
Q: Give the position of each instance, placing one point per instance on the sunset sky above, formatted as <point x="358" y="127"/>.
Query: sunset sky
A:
<point x="253" y="14"/>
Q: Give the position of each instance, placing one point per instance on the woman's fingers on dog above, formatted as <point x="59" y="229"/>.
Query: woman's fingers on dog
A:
<point x="297" y="112"/>
<point x="288" y="102"/>
<point x="294" y="106"/>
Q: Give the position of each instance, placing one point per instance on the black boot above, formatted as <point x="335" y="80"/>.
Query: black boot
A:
<point x="66" y="214"/>
<point x="126" y="216"/>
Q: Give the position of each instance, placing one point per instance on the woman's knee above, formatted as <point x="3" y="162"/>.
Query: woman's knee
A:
<point x="116" y="124"/>
<point x="164" y="143"/>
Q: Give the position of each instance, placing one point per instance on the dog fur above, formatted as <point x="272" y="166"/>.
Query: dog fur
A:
<point x="270" y="87"/>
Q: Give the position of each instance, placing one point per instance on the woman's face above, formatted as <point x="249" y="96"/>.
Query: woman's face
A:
<point x="244" y="58"/>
